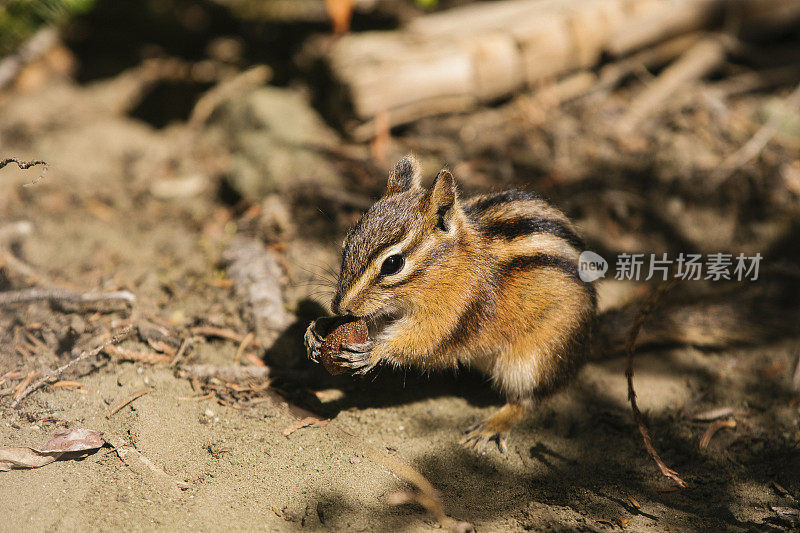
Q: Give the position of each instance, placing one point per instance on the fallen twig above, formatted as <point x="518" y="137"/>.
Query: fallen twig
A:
<point x="712" y="430"/>
<point x="11" y="262"/>
<point x="60" y="370"/>
<point x="181" y="352"/>
<point x="226" y="373"/>
<point x="126" y="401"/>
<point x="259" y="283"/>
<point x="703" y="57"/>
<point x="25" y="165"/>
<point x="313" y="421"/>
<point x="522" y="458"/>
<point x="67" y="384"/>
<point x="787" y="515"/>
<point x="144" y="466"/>
<point x="20" y="388"/>
<point x="612" y="74"/>
<point x="63" y="295"/>
<point x="647" y="307"/>
<point x="427" y="496"/>
<point x="225" y="90"/>
<point x="212" y="331"/>
<point x="196" y="398"/>
<point x="756" y="144"/>
<point x="242" y="347"/>
<point x="150" y="358"/>
<point x="755" y="81"/>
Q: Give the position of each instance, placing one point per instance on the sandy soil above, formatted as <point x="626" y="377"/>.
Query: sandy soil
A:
<point x="577" y="463"/>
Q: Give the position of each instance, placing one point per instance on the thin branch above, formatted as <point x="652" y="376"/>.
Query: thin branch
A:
<point x="62" y="295"/>
<point x="212" y="331"/>
<point x="243" y="346"/>
<point x="60" y="370"/>
<point x="426" y="495"/>
<point x="126" y="401"/>
<point x="703" y="57"/>
<point x="647" y="307"/>
<point x="757" y="142"/>
<point x="12" y="263"/>
<point x="233" y="374"/>
<point x="225" y="90"/>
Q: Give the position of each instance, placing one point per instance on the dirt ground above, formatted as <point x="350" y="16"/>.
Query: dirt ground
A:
<point x="100" y="222"/>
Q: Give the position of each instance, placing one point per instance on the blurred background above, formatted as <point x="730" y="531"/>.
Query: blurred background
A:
<point x="202" y="154"/>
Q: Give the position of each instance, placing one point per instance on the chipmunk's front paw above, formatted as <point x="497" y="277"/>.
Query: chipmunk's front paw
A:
<point x="313" y="342"/>
<point x="479" y="435"/>
<point x="357" y="357"/>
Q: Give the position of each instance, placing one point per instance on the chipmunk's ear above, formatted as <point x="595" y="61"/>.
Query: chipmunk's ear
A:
<point x="406" y="175"/>
<point x="440" y="201"/>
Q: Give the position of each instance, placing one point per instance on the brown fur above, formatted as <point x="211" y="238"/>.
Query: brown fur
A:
<point x="490" y="282"/>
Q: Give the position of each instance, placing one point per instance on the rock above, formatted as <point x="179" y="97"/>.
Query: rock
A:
<point x="276" y="138"/>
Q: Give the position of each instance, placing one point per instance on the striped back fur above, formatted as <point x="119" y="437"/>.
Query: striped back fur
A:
<point x="476" y="275"/>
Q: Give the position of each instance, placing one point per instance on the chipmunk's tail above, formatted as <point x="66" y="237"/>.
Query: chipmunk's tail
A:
<point x="741" y="314"/>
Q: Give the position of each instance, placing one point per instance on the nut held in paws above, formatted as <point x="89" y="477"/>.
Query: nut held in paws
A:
<point x="354" y="332"/>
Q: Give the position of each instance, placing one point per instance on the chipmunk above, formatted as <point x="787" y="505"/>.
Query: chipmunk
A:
<point x="490" y="282"/>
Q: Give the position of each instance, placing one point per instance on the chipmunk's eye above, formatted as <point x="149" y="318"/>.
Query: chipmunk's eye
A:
<point x="392" y="265"/>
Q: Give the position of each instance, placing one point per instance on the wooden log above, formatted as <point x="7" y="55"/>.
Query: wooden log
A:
<point x="454" y="60"/>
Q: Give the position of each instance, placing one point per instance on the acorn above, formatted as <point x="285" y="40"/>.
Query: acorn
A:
<point x="353" y="332"/>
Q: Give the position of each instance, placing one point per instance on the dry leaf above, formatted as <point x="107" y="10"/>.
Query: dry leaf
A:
<point x="73" y="440"/>
<point x="340" y="12"/>
<point x="67" y="441"/>
<point x="633" y="501"/>
<point x="20" y="457"/>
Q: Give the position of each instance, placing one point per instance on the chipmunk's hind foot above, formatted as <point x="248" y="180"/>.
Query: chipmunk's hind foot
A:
<point x="495" y="428"/>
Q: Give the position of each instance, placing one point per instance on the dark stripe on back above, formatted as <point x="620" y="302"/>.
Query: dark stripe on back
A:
<point x="518" y="227"/>
<point x="487" y="202"/>
<point x="480" y="309"/>
<point x="530" y="262"/>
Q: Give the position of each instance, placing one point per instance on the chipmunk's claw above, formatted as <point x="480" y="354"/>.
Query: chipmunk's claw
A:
<point x="357" y="357"/>
<point x="479" y="435"/>
<point x="313" y="342"/>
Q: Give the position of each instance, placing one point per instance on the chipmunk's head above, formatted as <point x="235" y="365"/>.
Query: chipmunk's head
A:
<point x="389" y="254"/>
